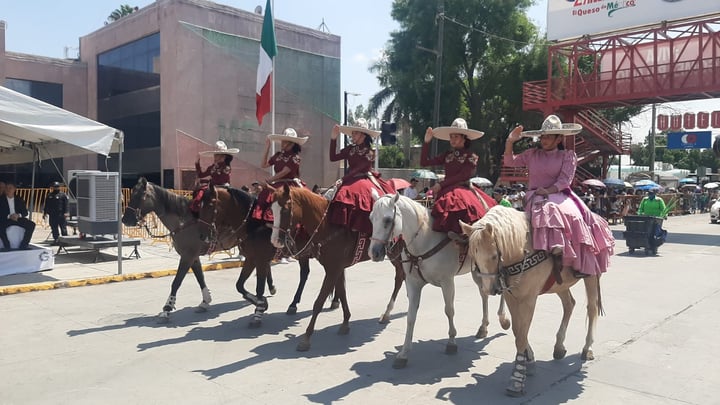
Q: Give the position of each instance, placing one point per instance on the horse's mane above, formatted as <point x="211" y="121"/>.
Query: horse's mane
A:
<point x="170" y="201"/>
<point x="420" y="211"/>
<point x="241" y="196"/>
<point x="510" y="229"/>
<point x="303" y="194"/>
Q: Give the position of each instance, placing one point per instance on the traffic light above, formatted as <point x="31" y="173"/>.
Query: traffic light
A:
<point x="387" y="133"/>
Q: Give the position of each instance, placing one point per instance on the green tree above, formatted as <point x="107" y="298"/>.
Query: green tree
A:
<point x="121" y="12"/>
<point x="490" y="47"/>
<point x="391" y="156"/>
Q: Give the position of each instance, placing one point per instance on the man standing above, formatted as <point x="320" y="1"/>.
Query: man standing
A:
<point x="13" y="212"/>
<point x="56" y="208"/>
<point x="411" y="192"/>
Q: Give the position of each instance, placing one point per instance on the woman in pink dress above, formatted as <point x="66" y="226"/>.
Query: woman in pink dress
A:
<point x="455" y="198"/>
<point x="561" y="222"/>
<point x="286" y="164"/>
<point x="353" y="199"/>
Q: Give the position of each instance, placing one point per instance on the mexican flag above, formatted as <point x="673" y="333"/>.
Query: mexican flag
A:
<point x="268" y="50"/>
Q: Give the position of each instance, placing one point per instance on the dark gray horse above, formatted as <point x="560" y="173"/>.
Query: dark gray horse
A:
<point x="188" y="234"/>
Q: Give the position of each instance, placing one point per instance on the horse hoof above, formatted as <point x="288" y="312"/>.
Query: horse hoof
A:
<point x="344" y="330"/>
<point x="303" y="346"/>
<point x="587" y="355"/>
<point x="399" y="363"/>
<point x="384" y="319"/>
<point x="513" y="393"/>
<point x="273" y="290"/>
<point x="505" y="324"/>
<point x="559" y="354"/>
<point x="163" y="317"/>
<point x="203" y="307"/>
<point x="292" y="310"/>
<point x="335" y="305"/>
<point x="451" y="348"/>
<point x="481" y="333"/>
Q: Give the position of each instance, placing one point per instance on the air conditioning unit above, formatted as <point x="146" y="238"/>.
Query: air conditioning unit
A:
<point x="71" y="182"/>
<point x="97" y="202"/>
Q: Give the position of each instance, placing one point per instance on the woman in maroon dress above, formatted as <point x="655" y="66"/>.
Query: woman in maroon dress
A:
<point x="286" y="164"/>
<point x="219" y="171"/>
<point x="353" y="199"/>
<point x="455" y="198"/>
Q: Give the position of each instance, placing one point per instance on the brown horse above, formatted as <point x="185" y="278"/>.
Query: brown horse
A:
<point x="185" y="230"/>
<point x="332" y="245"/>
<point x="501" y="248"/>
<point x="227" y="211"/>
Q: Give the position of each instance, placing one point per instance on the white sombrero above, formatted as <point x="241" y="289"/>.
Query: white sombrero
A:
<point x="553" y="126"/>
<point x="221" y="149"/>
<point x="459" y="126"/>
<point x="289" y="135"/>
<point x="362" y="126"/>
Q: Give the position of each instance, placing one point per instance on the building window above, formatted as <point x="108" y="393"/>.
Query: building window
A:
<point x="51" y="93"/>
<point x="130" y="67"/>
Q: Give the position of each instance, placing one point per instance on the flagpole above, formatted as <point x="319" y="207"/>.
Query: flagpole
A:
<point x="272" y="99"/>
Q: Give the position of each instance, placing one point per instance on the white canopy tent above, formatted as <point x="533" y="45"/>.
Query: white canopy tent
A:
<point x="32" y="130"/>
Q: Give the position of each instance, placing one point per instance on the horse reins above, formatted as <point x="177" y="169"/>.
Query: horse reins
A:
<point x="212" y="243"/>
<point x="288" y="231"/>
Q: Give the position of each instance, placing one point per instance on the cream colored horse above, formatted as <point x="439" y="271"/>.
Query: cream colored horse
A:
<point x="501" y="248"/>
<point x="428" y="258"/>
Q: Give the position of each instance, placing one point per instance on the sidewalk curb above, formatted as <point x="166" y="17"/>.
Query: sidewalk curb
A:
<point x="24" y="288"/>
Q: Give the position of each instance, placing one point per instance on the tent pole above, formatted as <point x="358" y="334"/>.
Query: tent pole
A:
<point x="31" y="203"/>
<point x="120" y="198"/>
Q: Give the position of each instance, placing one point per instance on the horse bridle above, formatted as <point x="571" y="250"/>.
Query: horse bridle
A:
<point x="214" y="237"/>
<point x="288" y="234"/>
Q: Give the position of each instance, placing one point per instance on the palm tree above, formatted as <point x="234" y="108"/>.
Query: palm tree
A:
<point x="121" y="12"/>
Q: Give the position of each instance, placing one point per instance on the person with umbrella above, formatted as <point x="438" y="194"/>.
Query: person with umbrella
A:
<point x="411" y="192"/>
<point x="561" y="224"/>
<point x="651" y="205"/>
<point x="455" y="197"/>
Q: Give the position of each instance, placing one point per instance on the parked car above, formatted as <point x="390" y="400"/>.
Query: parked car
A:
<point x="715" y="212"/>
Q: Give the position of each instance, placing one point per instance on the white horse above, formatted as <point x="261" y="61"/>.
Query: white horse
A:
<point x="429" y="257"/>
<point x="501" y="248"/>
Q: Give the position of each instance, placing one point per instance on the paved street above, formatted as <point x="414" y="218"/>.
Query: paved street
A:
<point x="101" y="344"/>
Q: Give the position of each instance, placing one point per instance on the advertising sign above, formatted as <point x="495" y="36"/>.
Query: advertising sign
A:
<point x="689" y="140"/>
<point x="574" y="18"/>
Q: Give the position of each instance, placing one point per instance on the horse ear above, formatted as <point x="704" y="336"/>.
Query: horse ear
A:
<point x="466" y="228"/>
<point x="375" y="194"/>
<point x="397" y="197"/>
<point x="286" y="188"/>
<point x="142" y="181"/>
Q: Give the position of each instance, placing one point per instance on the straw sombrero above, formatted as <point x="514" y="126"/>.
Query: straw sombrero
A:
<point x="553" y="126"/>
<point x="459" y="126"/>
<point x="221" y="149"/>
<point x="362" y="126"/>
<point x="289" y="135"/>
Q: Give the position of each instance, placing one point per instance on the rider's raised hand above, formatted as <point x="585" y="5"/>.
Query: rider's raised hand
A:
<point x="515" y="134"/>
<point x="335" y="132"/>
<point x="428" y="134"/>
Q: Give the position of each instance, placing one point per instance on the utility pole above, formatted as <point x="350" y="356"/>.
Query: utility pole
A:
<point x="343" y="140"/>
<point x="651" y="144"/>
<point x="440" y="19"/>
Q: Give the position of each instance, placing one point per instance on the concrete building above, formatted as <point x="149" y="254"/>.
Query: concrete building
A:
<point x="179" y="75"/>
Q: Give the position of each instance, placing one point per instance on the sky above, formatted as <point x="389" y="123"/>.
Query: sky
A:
<point x="46" y="27"/>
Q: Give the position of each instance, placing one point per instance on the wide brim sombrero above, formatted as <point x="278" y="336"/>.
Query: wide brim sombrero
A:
<point x="288" y="135"/>
<point x="459" y="126"/>
<point x="362" y="126"/>
<point x="221" y="149"/>
<point x="553" y="126"/>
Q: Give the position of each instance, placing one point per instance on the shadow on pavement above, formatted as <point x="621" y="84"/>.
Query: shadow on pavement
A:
<point x="427" y="364"/>
<point x="325" y="342"/>
<point x="181" y="318"/>
<point x="679" y="238"/>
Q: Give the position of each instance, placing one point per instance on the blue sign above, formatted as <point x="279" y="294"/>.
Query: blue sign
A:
<point x="689" y="140"/>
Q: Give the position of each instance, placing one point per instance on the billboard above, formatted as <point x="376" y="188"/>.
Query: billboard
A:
<point x="689" y="140"/>
<point x="574" y="18"/>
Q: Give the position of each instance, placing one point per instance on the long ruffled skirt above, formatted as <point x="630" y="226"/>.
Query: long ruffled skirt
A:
<point x="562" y="222"/>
